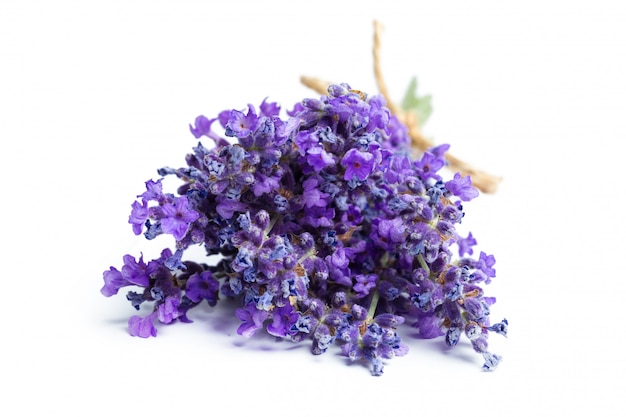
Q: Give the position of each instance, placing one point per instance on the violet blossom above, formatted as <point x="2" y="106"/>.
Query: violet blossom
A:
<point x="328" y="230"/>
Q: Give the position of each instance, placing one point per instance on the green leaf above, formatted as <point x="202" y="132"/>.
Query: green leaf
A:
<point x="421" y="106"/>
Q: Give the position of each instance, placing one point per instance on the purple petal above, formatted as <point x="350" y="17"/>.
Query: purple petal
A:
<point x="142" y="326"/>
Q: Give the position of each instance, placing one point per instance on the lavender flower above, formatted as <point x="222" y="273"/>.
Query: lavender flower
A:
<point x="357" y="164"/>
<point x="177" y="217"/>
<point x="251" y="320"/>
<point x="142" y="326"/>
<point x="202" y="286"/>
<point x="462" y="187"/>
<point x="283" y="319"/>
<point x="327" y="228"/>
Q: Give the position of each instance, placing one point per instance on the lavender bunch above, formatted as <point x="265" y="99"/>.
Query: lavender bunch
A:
<point x="326" y="228"/>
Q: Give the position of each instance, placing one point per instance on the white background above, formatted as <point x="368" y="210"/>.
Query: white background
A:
<point x="95" y="96"/>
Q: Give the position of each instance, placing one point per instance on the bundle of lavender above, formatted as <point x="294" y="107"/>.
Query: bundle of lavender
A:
<point x="329" y="229"/>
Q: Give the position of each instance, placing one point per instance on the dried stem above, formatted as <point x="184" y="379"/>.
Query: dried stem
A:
<point x="378" y="73"/>
<point x="419" y="141"/>
<point x="485" y="182"/>
<point x="315" y="84"/>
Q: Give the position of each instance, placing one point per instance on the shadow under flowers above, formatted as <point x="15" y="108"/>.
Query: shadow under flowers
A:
<point x="222" y="320"/>
<point x="462" y="352"/>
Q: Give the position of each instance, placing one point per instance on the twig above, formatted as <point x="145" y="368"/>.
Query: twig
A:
<point x="315" y="84"/>
<point x="485" y="182"/>
<point x="420" y="143"/>
<point x="378" y="73"/>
